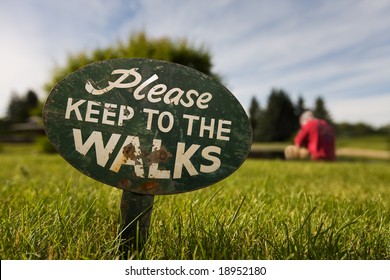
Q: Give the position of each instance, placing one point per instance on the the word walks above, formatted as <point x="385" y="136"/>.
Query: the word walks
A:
<point x="131" y="153"/>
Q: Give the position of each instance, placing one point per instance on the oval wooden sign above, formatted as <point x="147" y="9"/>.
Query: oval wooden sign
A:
<point x="147" y="126"/>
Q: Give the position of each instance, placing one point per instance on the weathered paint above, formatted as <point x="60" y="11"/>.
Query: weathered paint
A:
<point x="147" y="126"/>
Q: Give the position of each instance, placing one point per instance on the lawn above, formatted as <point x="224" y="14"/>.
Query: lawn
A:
<point x="372" y="142"/>
<point x="362" y="147"/>
<point x="268" y="209"/>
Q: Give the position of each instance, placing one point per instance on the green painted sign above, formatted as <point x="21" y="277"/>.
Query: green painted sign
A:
<point x="147" y="126"/>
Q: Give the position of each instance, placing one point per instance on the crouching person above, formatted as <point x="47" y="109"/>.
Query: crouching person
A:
<point x="315" y="140"/>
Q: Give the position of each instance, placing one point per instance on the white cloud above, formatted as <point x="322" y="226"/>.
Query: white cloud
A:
<point x="372" y="109"/>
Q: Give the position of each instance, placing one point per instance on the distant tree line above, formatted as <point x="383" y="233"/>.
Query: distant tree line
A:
<point x="20" y="109"/>
<point x="278" y="120"/>
<point x="345" y="129"/>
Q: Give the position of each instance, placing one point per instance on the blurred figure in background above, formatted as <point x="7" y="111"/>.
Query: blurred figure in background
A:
<point x="315" y="140"/>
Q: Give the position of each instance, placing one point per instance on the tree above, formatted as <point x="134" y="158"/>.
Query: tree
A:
<point x="21" y="108"/>
<point x="140" y="46"/>
<point x="254" y="117"/>
<point x="4" y="128"/>
<point x="17" y="111"/>
<point x="278" y="119"/>
<point x="31" y="100"/>
<point x="299" y="108"/>
<point x="320" y="110"/>
<point x="352" y="130"/>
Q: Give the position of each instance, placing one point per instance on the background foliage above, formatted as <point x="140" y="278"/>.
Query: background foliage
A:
<point x="139" y="45"/>
<point x="278" y="121"/>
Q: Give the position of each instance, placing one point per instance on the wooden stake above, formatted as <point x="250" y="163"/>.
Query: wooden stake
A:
<point x="136" y="212"/>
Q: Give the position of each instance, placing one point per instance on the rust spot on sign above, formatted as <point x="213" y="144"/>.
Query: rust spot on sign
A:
<point x="124" y="183"/>
<point x="150" y="187"/>
<point x="110" y="108"/>
<point x="126" y="112"/>
<point x="158" y="156"/>
<point x="129" y="152"/>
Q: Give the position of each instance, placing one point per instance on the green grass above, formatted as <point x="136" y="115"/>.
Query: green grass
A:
<point x="371" y="142"/>
<point x="374" y="142"/>
<point x="266" y="210"/>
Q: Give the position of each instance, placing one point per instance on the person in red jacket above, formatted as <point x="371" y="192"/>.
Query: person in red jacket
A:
<point x="315" y="140"/>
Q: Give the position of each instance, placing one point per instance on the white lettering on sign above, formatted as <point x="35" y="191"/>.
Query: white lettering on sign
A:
<point x="96" y="138"/>
<point x="154" y="172"/>
<point x="128" y="151"/>
<point x="216" y="162"/>
<point x="118" y="83"/>
<point x="160" y="119"/>
<point x="137" y="94"/>
<point x="157" y="93"/>
<point x="91" y="111"/>
<point x="116" y="114"/>
<point x="111" y="113"/>
<point x="221" y="129"/>
<point x="73" y="107"/>
<point x="183" y="160"/>
<point x="208" y="126"/>
<point x="130" y="154"/>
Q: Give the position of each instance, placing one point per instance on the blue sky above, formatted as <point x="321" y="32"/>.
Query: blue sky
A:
<point x="339" y="50"/>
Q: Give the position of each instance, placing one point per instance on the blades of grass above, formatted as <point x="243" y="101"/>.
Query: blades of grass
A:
<point x="62" y="222"/>
<point x="237" y="211"/>
<point x="308" y="217"/>
<point x="348" y="224"/>
<point x="86" y="212"/>
<point x="214" y="195"/>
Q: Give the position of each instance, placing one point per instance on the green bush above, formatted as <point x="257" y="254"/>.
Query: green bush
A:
<point x="44" y="145"/>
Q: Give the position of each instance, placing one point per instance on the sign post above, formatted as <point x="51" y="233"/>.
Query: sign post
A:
<point x="136" y="212"/>
<point x="147" y="127"/>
